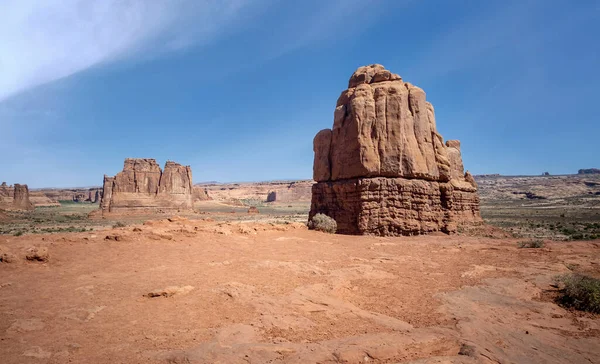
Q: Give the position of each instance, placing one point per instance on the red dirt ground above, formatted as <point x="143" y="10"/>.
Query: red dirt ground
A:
<point x="193" y="291"/>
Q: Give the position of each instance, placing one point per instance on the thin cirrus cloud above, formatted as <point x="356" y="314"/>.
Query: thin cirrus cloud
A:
<point x="43" y="41"/>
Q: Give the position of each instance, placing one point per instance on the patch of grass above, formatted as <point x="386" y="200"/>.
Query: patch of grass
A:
<point x="322" y="222"/>
<point x="531" y="244"/>
<point x="579" y="292"/>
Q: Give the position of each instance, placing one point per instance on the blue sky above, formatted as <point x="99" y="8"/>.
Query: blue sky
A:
<point x="237" y="89"/>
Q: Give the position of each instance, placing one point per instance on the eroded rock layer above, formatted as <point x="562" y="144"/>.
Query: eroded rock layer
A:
<point x="15" y="197"/>
<point x="384" y="169"/>
<point x="143" y="187"/>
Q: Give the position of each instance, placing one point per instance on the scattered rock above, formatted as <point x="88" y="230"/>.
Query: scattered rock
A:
<point x="136" y="229"/>
<point x="383" y="169"/>
<point x="6" y="256"/>
<point x="114" y="237"/>
<point x="246" y="230"/>
<point x="38" y="254"/>
<point x="467" y="350"/>
<point x="253" y="210"/>
<point x="156" y="236"/>
<point x="170" y="291"/>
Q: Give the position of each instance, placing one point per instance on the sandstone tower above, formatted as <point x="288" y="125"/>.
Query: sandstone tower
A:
<point x="384" y="169"/>
<point x="143" y="187"/>
<point x="15" y="197"/>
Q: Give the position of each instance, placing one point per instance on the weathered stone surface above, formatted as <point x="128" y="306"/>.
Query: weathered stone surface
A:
<point x="291" y="192"/>
<point x="21" y="198"/>
<point x="383" y="168"/>
<point x="321" y="147"/>
<point x="142" y="186"/>
<point x="15" y="197"/>
<point x="393" y="206"/>
<point x="200" y="194"/>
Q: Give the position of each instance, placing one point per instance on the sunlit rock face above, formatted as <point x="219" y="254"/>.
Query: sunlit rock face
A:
<point x="383" y="168"/>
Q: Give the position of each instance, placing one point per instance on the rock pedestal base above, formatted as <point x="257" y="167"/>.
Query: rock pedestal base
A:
<point x="395" y="206"/>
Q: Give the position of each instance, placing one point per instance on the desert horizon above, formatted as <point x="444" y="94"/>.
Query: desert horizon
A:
<point x="448" y="210"/>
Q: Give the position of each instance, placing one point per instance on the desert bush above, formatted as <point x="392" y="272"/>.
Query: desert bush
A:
<point x="531" y="244"/>
<point x="322" y="222"/>
<point x="579" y="292"/>
<point x="119" y="224"/>
<point x="18" y="233"/>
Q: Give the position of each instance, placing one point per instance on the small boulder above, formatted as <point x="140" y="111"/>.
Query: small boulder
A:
<point x="169" y="291"/>
<point x="6" y="256"/>
<point x="114" y="237"/>
<point x="253" y="210"/>
<point x="37" y="254"/>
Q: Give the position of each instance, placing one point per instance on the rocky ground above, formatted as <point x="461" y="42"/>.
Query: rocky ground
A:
<point x="225" y="285"/>
<point x="204" y="291"/>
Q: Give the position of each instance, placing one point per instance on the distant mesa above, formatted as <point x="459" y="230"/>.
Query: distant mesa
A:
<point x="545" y="174"/>
<point x="290" y="192"/>
<point x="143" y="187"/>
<point x="493" y="175"/>
<point x="384" y="169"/>
<point x="15" y="197"/>
<point x="589" y="171"/>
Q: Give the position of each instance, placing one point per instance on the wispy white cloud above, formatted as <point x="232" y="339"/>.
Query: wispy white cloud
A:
<point x="43" y="41"/>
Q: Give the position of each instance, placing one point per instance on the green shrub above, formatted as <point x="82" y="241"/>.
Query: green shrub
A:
<point x="579" y="292"/>
<point x="531" y="244"/>
<point x="119" y="224"/>
<point x="18" y="233"/>
<point x="322" y="222"/>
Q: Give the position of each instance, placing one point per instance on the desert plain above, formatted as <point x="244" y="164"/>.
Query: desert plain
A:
<point x="223" y="285"/>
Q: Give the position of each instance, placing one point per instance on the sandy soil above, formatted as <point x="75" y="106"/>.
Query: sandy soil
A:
<point x="200" y="291"/>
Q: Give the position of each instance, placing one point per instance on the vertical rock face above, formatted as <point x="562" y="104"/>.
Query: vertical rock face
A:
<point x="97" y="196"/>
<point x="143" y="187"/>
<point x="15" y="197"/>
<point x="384" y="169"/>
<point x="21" y="198"/>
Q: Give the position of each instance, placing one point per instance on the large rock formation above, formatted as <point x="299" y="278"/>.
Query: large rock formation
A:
<point x="15" y="197"/>
<point x="21" y="198"/>
<point x="384" y="169"/>
<point x="589" y="171"/>
<point x="143" y="187"/>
